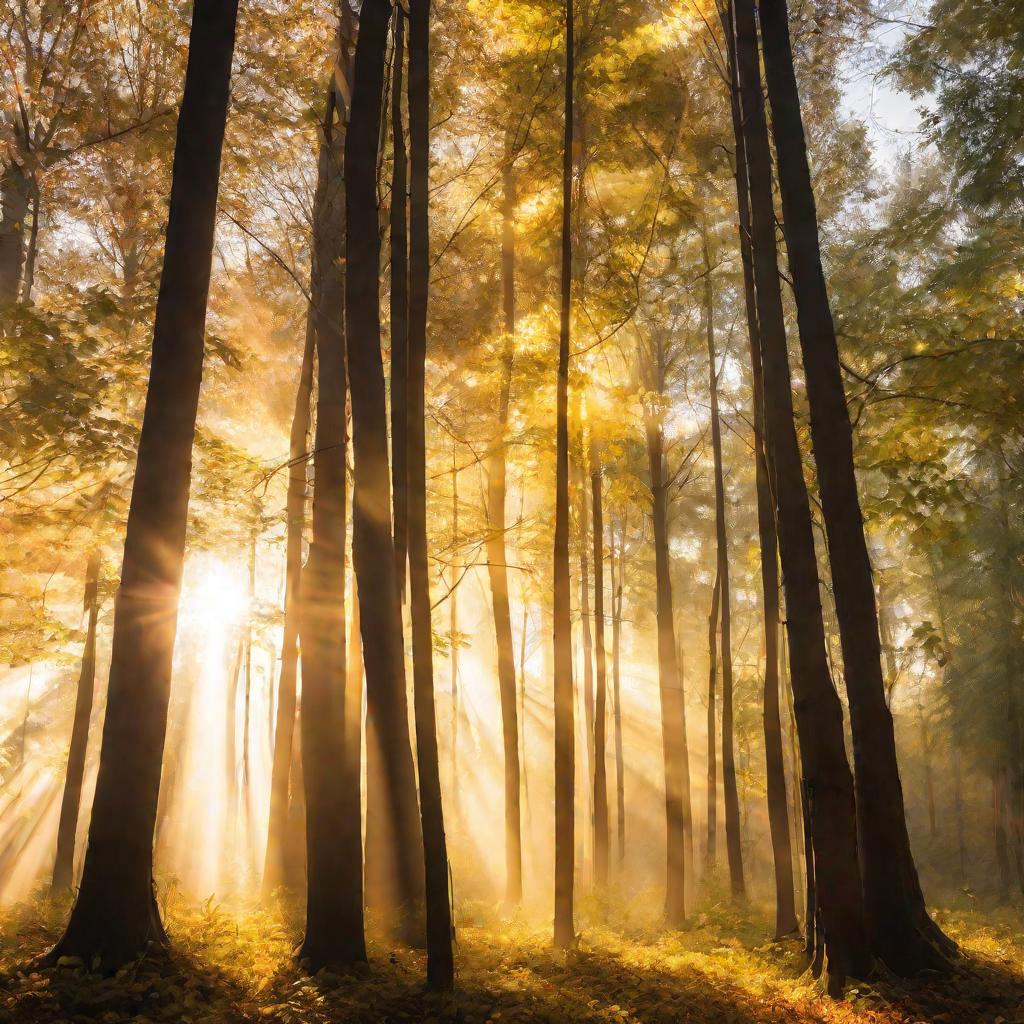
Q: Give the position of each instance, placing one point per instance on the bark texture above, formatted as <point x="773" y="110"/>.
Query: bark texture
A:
<point x="115" y="917"/>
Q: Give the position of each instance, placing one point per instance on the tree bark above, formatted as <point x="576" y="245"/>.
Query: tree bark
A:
<point x="733" y="844"/>
<point x="565" y="740"/>
<point x="71" y="801"/>
<point x="620" y="768"/>
<point x="497" y="567"/>
<point x="274" y="869"/>
<point x="711" y="852"/>
<point x="372" y="542"/>
<point x="115" y="917"/>
<point x="901" y="932"/>
<point x="672" y="711"/>
<point x="600" y="692"/>
<point x="399" y="308"/>
<point x="828" y="785"/>
<point x="15" y="191"/>
<point x="775" y="766"/>
<point x="334" y="891"/>
<point x="440" y="965"/>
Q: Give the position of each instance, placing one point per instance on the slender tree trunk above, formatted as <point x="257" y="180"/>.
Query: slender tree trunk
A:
<point x="711" y="851"/>
<point x="33" y="246"/>
<point x="830" y="812"/>
<point x="684" y="753"/>
<point x="453" y="632"/>
<point x="901" y="932"/>
<point x="15" y="192"/>
<point x="672" y="712"/>
<point x="587" y="645"/>
<point x="354" y="688"/>
<point x="440" y="966"/>
<point x="67" y="828"/>
<point x="775" y="767"/>
<point x="620" y="768"/>
<point x="600" y="694"/>
<point x="399" y="307"/>
<point x="733" y="844"/>
<point x="274" y="874"/>
<point x="565" y="740"/>
<point x="115" y="917"/>
<point x="334" y="891"/>
<point x="497" y="568"/>
<point x="372" y="542"/>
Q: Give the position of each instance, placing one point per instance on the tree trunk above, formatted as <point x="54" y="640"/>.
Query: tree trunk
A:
<point x="587" y="644"/>
<point x="711" y="852"/>
<point x="16" y="188"/>
<point x="334" y="891"/>
<point x="115" y="917"/>
<point x="67" y="828"/>
<point x="620" y="768"/>
<point x="830" y="820"/>
<point x="440" y="966"/>
<point x="274" y="874"/>
<point x="901" y="932"/>
<point x="453" y="632"/>
<point x="372" y="543"/>
<point x="399" y="308"/>
<point x="565" y="740"/>
<point x="497" y="568"/>
<point x="733" y="845"/>
<point x="672" y="711"/>
<point x="32" y="251"/>
<point x="775" y="767"/>
<point x="684" y="753"/>
<point x="600" y="693"/>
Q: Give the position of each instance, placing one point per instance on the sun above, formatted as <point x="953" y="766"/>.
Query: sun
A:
<point x="215" y="595"/>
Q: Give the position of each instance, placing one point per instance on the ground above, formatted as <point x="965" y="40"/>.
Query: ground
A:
<point x="235" y="965"/>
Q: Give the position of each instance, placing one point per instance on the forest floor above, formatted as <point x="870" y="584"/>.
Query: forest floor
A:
<point x="227" y="966"/>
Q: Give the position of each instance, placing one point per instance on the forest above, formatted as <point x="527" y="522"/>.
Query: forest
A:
<point x="511" y="511"/>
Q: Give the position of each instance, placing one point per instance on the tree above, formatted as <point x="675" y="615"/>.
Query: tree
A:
<point x="838" y="914"/>
<point x="373" y="551"/>
<point x="497" y="568"/>
<point x="902" y="933"/>
<point x="600" y="694"/>
<point x="673" y="713"/>
<point x="115" y="916"/>
<point x="775" y="769"/>
<point x="565" y="755"/>
<point x="440" y="966"/>
<point x="274" y="869"/>
<point x="334" y="892"/>
<point x="732" y="805"/>
<point x="71" y="800"/>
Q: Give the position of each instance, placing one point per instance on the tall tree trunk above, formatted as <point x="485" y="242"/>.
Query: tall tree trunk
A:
<point x="684" y="753"/>
<point x="15" y="193"/>
<point x="711" y="851"/>
<point x="901" y="932"/>
<point x="334" y="890"/>
<point x="600" y="693"/>
<point x="775" y="765"/>
<point x="672" y="712"/>
<point x="565" y="740"/>
<point x="29" y="277"/>
<point x="453" y="632"/>
<point x="440" y="965"/>
<point x="620" y="768"/>
<point x="497" y="568"/>
<point x="71" y="801"/>
<point x="733" y="844"/>
<point x="115" y="917"/>
<point x="372" y="543"/>
<point x="274" y="873"/>
<point x="587" y="643"/>
<point x="831" y="820"/>
<point x="399" y="308"/>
